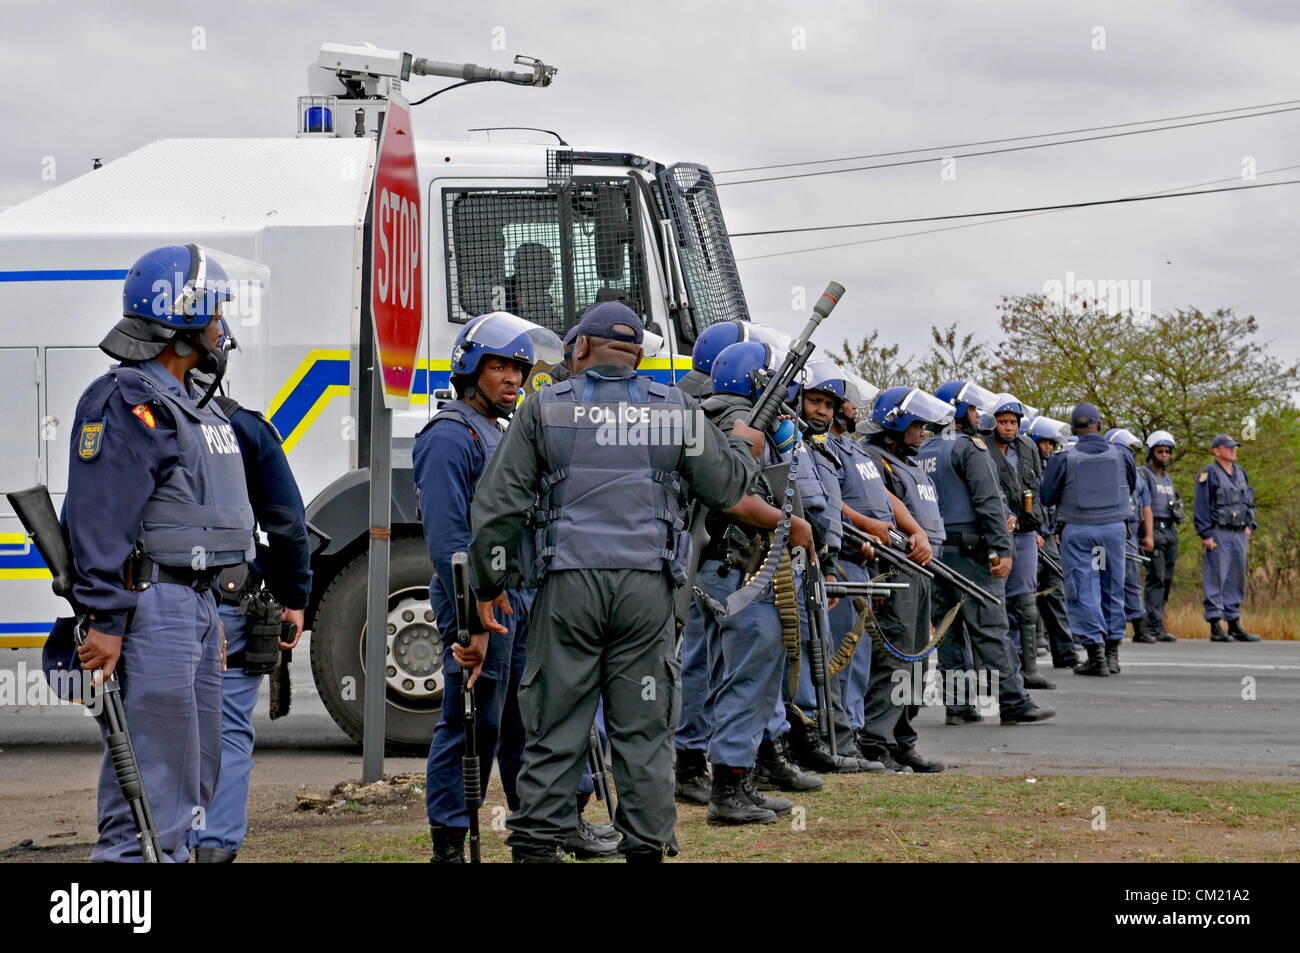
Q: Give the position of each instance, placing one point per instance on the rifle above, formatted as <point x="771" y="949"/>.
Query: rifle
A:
<point x="599" y="771"/>
<point x="1137" y="557"/>
<point x="814" y="588"/>
<point x="951" y="576"/>
<point x="895" y="557"/>
<point x="1051" y="562"/>
<point x="35" y="511"/>
<point x="469" y="761"/>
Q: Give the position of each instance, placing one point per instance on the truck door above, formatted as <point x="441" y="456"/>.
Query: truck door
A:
<point x="68" y="372"/>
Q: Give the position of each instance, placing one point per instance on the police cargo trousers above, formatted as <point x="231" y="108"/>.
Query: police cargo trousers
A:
<point x="599" y="633"/>
<point x="227" y="819"/>
<point x="1093" y="560"/>
<point x="170" y="673"/>
<point x="1160" y="573"/>
<point x="1223" y="577"/>
<point x="500" y="732"/>
<point x="981" y="630"/>
<point x="891" y="700"/>
<point x="1051" y="609"/>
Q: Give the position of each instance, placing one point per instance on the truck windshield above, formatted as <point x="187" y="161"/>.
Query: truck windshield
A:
<point x="543" y="254"/>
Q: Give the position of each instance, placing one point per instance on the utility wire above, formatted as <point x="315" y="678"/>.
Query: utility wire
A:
<point x="994" y="142"/>
<point x="989" y="152"/>
<point x="994" y="221"/>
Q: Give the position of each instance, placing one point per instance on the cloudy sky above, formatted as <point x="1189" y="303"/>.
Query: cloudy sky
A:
<point x="761" y="82"/>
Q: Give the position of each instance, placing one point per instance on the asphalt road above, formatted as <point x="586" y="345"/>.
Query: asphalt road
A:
<point x="1176" y="711"/>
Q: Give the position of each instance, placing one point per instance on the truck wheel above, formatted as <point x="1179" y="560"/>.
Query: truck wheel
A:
<point x="414" y="654"/>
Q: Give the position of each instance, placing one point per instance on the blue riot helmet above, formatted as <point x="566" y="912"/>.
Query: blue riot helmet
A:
<point x="1124" y="438"/>
<point x="742" y="368"/>
<point x="713" y="339"/>
<point x="174" y="294"/>
<point x="897" y="408"/>
<point x="1071" y="440"/>
<point x="964" y="395"/>
<point x="504" y="335"/>
<point x="1007" y="404"/>
<point x="842" y="384"/>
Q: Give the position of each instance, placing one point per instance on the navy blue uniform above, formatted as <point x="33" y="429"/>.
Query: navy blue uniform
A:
<point x="150" y="471"/>
<point x="285" y="566"/>
<point x="450" y="455"/>
<point x="1090" y="486"/>
<point x="1225" y="509"/>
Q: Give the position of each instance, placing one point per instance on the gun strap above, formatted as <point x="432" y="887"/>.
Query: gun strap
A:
<point x="844" y="654"/>
<point x="936" y="636"/>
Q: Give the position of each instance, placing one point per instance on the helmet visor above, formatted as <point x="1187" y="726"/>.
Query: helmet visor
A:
<point x="222" y="284"/>
<point x="1049" y="428"/>
<point x="500" y="331"/>
<point x="927" y="408"/>
<point x="972" y="393"/>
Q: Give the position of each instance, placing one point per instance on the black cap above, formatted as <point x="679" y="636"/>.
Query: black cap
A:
<point x="1085" y="415"/>
<point x="1223" y="440"/>
<point x="612" y="320"/>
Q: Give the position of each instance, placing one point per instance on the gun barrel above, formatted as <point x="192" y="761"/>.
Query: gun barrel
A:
<point x="895" y="557"/>
<point x="773" y="396"/>
<point x="952" y="577"/>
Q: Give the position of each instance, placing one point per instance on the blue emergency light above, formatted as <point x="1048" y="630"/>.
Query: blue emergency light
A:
<point x="318" y="119"/>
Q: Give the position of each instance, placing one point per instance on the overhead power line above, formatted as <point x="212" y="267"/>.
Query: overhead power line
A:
<point x="989" y="152"/>
<point x="1008" y="211"/>
<point x="994" y="142"/>
<point x="993" y="221"/>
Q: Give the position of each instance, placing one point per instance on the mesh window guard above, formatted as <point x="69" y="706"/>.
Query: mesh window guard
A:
<point x="709" y="266"/>
<point x="541" y="254"/>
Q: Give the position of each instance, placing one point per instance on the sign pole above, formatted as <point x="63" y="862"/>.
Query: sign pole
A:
<point x="393" y="282"/>
<point x="381" y="520"/>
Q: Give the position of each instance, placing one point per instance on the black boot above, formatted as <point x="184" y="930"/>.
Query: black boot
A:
<point x="874" y="751"/>
<point x="448" y="845"/>
<point x="1141" y="632"/>
<point x="1216" y="632"/>
<point x="729" y="803"/>
<point x="692" y="777"/>
<point x="587" y="843"/>
<point x="1096" y="663"/>
<point x="777" y="805"/>
<point x="1237" y="632"/>
<point x="536" y="856"/>
<point x="1027" y="716"/>
<point x="214" y="855"/>
<point x="1161" y="633"/>
<point x="1112" y="656"/>
<point x="964" y="716"/>
<point x="911" y="758"/>
<point x="775" y="772"/>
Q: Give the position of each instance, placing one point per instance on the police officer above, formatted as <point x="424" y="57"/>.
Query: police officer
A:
<point x="747" y="729"/>
<point x="606" y="494"/>
<point x="978" y="545"/>
<point x="1090" y="486"/>
<point x="901" y="419"/>
<point x="1166" y="513"/>
<point x="1141" y="529"/>
<point x="156" y="505"/>
<point x="819" y="472"/>
<point x="1224" y="516"/>
<point x="1049" y="434"/>
<point x="1020" y="471"/>
<point x="283" y="564"/>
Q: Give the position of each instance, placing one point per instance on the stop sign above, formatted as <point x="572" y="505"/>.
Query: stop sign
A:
<point x="396" y="264"/>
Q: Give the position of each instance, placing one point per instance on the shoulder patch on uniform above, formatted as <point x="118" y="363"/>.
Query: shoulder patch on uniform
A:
<point x="91" y="440"/>
<point x="1205" y="475"/>
<point x="145" y="413"/>
<point x="979" y="442"/>
<point x="266" y="420"/>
